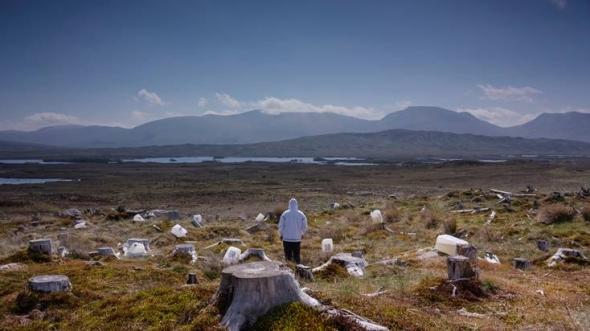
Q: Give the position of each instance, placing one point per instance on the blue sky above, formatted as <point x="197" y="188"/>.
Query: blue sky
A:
<point x="128" y="62"/>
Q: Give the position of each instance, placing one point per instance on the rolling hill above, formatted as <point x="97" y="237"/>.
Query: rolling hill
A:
<point x="390" y="144"/>
<point x="257" y="126"/>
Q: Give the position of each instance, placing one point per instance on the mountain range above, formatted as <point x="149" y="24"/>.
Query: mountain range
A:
<point x="257" y="126"/>
<point x="385" y="145"/>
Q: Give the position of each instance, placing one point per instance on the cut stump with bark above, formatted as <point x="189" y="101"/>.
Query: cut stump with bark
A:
<point x="468" y="251"/>
<point x="521" y="263"/>
<point x="248" y="291"/>
<point x="304" y="272"/>
<point x="42" y="246"/>
<point x="49" y="283"/>
<point x="459" y="268"/>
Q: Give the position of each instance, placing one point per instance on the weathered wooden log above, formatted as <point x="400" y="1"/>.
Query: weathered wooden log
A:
<point x="513" y="194"/>
<point x="228" y="241"/>
<point x="468" y="250"/>
<point x="354" y="266"/>
<point x="491" y="217"/>
<point x="304" y="272"/>
<point x="567" y="254"/>
<point x="521" y="263"/>
<point x="49" y="283"/>
<point x="192" y="278"/>
<point x="42" y="246"/>
<point x="248" y="291"/>
<point x="258" y="226"/>
<point x="258" y="252"/>
<point x="459" y="268"/>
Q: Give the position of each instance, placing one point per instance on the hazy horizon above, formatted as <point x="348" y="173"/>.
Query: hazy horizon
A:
<point x="126" y="63"/>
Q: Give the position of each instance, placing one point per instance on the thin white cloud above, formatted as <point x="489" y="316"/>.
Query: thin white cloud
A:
<point x="560" y="4"/>
<point x="509" y="93"/>
<point x="228" y="101"/>
<point x="49" y="118"/>
<point x="273" y="105"/>
<point x="151" y="98"/>
<point x="500" y="116"/>
<point x="203" y="102"/>
<point x="39" y="120"/>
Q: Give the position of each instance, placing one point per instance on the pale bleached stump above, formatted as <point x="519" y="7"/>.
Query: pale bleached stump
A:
<point x="459" y="268"/>
<point x="42" y="246"/>
<point x="49" y="283"/>
<point x="248" y="291"/>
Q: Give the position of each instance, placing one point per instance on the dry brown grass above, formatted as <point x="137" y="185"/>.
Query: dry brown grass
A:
<point x="556" y="213"/>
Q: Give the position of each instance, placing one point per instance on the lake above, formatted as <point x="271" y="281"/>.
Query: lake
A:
<point x="23" y="181"/>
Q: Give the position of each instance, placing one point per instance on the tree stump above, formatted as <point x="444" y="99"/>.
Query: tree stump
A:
<point x="144" y="242"/>
<point x="192" y="278"/>
<point x="304" y="272"/>
<point x="468" y="251"/>
<point x="459" y="268"/>
<point x="543" y="245"/>
<point x="49" y="283"/>
<point x="187" y="249"/>
<point x="42" y="246"/>
<point x="106" y="251"/>
<point x="521" y="263"/>
<point x="248" y="291"/>
<point x="258" y="252"/>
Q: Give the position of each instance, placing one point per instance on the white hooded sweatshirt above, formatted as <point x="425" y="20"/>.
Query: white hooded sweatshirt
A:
<point x="293" y="223"/>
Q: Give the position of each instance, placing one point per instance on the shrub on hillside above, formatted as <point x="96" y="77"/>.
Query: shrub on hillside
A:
<point x="556" y="213"/>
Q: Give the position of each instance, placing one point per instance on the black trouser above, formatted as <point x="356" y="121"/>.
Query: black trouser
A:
<point x="292" y="251"/>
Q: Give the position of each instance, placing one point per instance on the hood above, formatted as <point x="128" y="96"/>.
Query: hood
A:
<point x="293" y="205"/>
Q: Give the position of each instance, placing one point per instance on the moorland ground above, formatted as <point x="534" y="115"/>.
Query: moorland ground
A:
<point x="416" y="200"/>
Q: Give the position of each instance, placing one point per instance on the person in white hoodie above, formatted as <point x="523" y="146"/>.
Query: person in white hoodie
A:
<point x="292" y="226"/>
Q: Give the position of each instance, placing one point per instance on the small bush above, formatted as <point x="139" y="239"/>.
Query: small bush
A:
<point x="391" y="214"/>
<point x="556" y="213"/>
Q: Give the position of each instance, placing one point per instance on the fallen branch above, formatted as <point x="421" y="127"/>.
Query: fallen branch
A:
<point x="229" y="241"/>
<point x="470" y="211"/>
<point x="491" y="217"/>
<point x="513" y="194"/>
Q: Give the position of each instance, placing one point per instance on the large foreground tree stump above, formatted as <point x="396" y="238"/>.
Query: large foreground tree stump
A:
<point x="42" y="246"/>
<point x="248" y="291"/>
<point x="459" y="268"/>
<point x="49" y="283"/>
